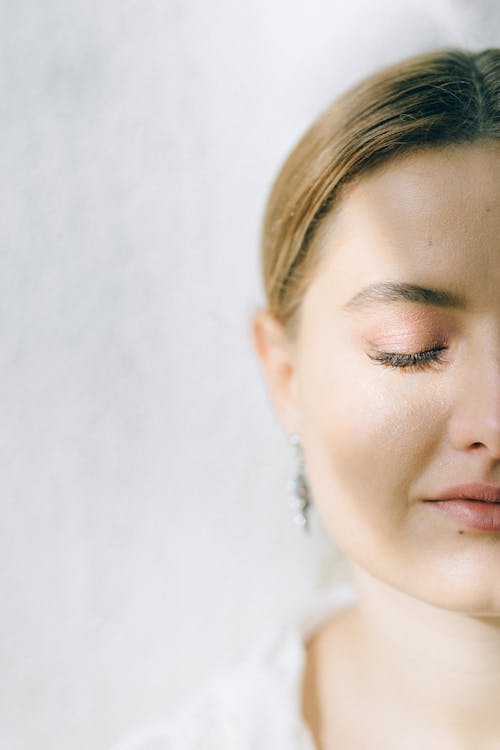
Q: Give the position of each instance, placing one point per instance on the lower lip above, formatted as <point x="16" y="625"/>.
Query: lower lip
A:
<point x="472" y="513"/>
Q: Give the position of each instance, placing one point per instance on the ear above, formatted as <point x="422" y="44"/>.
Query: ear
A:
<point x="277" y="356"/>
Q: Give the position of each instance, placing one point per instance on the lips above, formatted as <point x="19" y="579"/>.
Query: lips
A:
<point x="475" y="505"/>
<point x="478" y="491"/>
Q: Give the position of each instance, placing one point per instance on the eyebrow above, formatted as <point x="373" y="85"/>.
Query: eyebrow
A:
<point x="400" y="291"/>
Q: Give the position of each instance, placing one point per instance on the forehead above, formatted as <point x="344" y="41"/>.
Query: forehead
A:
<point x="431" y="215"/>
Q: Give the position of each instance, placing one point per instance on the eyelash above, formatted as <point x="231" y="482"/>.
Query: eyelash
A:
<point x="411" y="362"/>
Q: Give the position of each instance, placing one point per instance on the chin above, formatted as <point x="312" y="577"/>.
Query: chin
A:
<point x="471" y="597"/>
<point x="474" y="591"/>
<point x="465" y="582"/>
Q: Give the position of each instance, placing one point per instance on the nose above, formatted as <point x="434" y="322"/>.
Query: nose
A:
<point x="475" y="422"/>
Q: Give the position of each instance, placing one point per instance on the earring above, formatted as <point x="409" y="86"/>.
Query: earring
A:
<point x="299" y="494"/>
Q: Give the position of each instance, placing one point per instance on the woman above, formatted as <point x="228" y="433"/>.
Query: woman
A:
<point x="380" y="346"/>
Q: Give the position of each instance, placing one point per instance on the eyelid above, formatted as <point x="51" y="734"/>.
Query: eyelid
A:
<point x="421" y="360"/>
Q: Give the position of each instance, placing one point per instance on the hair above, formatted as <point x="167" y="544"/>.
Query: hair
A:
<point x="436" y="99"/>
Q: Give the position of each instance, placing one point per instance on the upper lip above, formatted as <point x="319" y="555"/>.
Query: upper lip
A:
<point x="471" y="491"/>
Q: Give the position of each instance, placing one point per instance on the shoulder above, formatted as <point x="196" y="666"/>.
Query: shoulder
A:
<point x="253" y="704"/>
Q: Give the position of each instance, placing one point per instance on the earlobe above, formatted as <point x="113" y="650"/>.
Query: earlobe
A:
<point x="276" y="354"/>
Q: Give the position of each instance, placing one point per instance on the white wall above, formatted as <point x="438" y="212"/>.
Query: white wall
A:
<point x="145" y="536"/>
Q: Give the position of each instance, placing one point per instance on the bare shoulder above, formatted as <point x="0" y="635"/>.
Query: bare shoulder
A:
<point x="326" y="665"/>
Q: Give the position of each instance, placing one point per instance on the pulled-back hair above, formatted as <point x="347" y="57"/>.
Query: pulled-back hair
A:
<point x="436" y="99"/>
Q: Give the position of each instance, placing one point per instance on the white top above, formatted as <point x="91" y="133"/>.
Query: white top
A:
<point x="257" y="704"/>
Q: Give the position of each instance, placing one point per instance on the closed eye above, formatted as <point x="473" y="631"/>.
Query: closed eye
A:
<point x="418" y="361"/>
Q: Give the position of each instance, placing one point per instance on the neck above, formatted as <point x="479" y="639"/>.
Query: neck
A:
<point x="438" y="666"/>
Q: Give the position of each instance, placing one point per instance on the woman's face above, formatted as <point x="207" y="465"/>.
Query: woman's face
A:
<point x="379" y="439"/>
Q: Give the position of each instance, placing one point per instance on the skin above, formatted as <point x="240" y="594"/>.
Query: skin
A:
<point x="417" y="657"/>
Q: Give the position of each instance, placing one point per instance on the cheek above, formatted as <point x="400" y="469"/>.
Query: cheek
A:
<point x="367" y="435"/>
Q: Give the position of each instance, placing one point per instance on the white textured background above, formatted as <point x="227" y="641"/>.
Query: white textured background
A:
<point x="145" y="537"/>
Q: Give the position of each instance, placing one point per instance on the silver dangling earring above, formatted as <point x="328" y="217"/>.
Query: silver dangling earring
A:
<point x="299" y="497"/>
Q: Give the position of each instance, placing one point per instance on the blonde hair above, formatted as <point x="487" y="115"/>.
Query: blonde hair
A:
<point x="435" y="99"/>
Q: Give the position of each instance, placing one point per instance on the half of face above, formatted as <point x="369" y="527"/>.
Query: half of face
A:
<point x="394" y="380"/>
